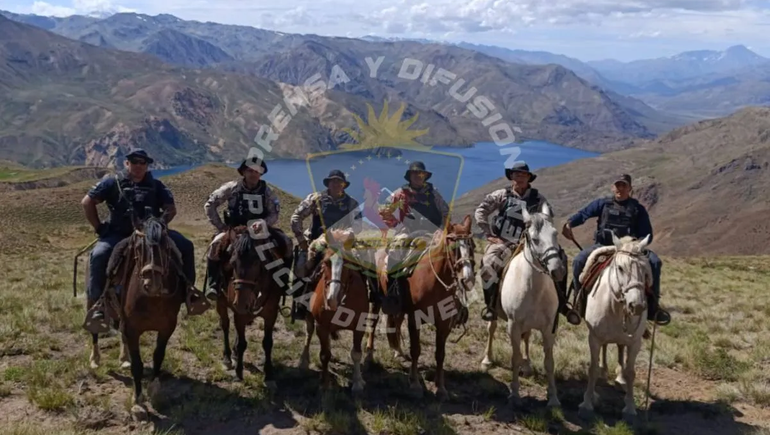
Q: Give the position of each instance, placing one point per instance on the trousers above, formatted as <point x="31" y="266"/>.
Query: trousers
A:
<point x="100" y="257"/>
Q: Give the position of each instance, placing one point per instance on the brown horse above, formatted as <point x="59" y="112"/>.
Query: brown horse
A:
<point x="251" y="292"/>
<point x="340" y="301"/>
<point x="432" y="297"/>
<point x="150" y="301"/>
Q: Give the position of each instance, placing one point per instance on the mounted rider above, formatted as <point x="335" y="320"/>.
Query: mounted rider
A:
<point x="500" y="219"/>
<point x="126" y="194"/>
<point x="624" y="216"/>
<point x="421" y="211"/>
<point x="330" y="209"/>
<point x="249" y="201"/>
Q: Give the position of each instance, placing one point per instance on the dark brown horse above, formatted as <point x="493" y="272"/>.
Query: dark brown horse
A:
<point x="150" y="301"/>
<point x="251" y="292"/>
<point x="340" y="301"/>
<point x="433" y="297"/>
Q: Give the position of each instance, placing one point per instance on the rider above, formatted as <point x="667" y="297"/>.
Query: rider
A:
<point x="127" y="193"/>
<point x="504" y="229"/>
<point x="422" y="210"/>
<point x="625" y="216"/>
<point x="332" y="208"/>
<point x="248" y="199"/>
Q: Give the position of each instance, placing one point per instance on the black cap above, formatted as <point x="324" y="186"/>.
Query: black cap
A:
<point x="138" y="152"/>
<point x="336" y="173"/>
<point x="519" y="167"/>
<point x="417" y="166"/>
<point x="250" y="163"/>
<point x="623" y="178"/>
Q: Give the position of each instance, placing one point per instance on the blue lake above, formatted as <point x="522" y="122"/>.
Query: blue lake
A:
<point x="474" y="167"/>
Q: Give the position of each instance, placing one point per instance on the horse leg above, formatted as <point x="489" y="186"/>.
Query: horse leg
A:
<point x="515" y="336"/>
<point x="267" y="347"/>
<point x="487" y="362"/>
<point x="604" y="371"/>
<point x="526" y="364"/>
<point x="96" y="356"/>
<point x="137" y="371"/>
<point x="587" y="407"/>
<point x="157" y="360"/>
<point x="224" y="323"/>
<point x="549" y="340"/>
<point x="414" y="351"/>
<point x="442" y="332"/>
<point x="370" y="339"/>
<point x="356" y="355"/>
<point x="304" y="359"/>
<point x="393" y="332"/>
<point x="123" y="358"/>
<point x="619" y="379"/>
<point x="629" y="373"/>
<point x="325" y="355"/>
<point x="240" y="344"/>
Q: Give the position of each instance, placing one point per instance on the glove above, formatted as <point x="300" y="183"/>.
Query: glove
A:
<point x="102" y="229"/>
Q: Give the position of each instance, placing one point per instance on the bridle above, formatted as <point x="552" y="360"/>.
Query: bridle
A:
<point x="458" y="263"/>
<point x="538" y="262"/>
<point x="619" y="292"/>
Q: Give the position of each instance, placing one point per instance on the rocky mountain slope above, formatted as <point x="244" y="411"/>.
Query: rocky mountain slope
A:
<point x="706" y="185"/>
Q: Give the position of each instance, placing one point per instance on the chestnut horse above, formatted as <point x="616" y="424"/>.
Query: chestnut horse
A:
<point x="150" y="301"/>
<point x="340" y="301"/>
<point x="432" y="296"/>
<point x="251" y="292"/>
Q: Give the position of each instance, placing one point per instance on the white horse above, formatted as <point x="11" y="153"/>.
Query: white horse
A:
<point x="528" y="299"/>
<point x="615" y="313"/>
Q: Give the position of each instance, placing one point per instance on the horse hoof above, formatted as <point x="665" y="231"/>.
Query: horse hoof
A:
<point x="139" y="413"/>
<point x="271" y="385"/>
<point x="358" y="387"/>
<point x="554" y="403"/>
<point x="94" y="364"/>
<point x="514" y="400"/>
<point x="227" y="365"/>
<point x="125" y="365"/>
<point x="486" y="365"/>
<point x="629" y="418"/>
<point x="586" y="414"/>
<point x="526" y="372"/>
<point x="416" y="390"/>
<point x="304" y="363"/>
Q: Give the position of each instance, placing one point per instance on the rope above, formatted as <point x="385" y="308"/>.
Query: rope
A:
<point x="649" y="368"/>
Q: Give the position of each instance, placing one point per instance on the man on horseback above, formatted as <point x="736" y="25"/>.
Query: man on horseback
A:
<point x="249" y="200"/>
<point x="332" y="208"/>
<point x="504" y="233"/>
<point x="625" y="216"/>
<point x="127" y="194"/>
<point x="422" y="211"/>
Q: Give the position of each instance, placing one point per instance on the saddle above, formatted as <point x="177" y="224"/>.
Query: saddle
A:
<point x="519" y="248"/>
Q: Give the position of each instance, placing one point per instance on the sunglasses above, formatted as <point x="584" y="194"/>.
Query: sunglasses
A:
<point x="138" y="162"/>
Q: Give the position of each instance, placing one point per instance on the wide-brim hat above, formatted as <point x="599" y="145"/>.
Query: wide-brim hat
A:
<point x="520" y="167"/>
<point x="138" y="152"/>
<point x="250" y="163"/>
<point x="419" y="167"/>
<point x="336" y="173"/>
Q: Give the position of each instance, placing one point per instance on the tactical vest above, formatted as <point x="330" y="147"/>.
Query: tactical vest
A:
<point x="509" y="223"/>
<point x="245" y="205"/>
<point x="422" y="202"/>
<point x="134" y="198"/>
<point x="616" y="218"/>
<point x="329" y="213"/>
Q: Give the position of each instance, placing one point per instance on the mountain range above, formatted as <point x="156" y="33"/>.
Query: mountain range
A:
<point x="195" y="92"/>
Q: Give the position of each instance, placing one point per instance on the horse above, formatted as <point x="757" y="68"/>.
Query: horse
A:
<point x="150" y="300"/>
<point x="616" y="301"/>
<point x="528" y="298"/>
<point x="340" y="301"/>
<point x="431" y="297"/>
<point x="252" y="291"/>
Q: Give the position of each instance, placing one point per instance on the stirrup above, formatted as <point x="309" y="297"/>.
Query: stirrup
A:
<point x="573" y="317"/>
<point x="662" y="317"/>
<point x="97" y="326"/>
<point x="196" y="303"/>
<point x="488" y="314"/>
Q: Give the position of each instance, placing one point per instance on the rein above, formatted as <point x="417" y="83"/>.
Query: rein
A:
<point x="162" y="269"/>
<point x="462" y="297"/>
<point x="619" y="296"/>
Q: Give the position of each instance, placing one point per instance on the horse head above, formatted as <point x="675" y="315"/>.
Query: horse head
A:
<point x="333" y="273"/>
<point x="462" y="247"/>
<point x="631" y="273"/>
<point x="541" y="240"/>
<point x="151" y="249"/>
<point x="250" y="278"/>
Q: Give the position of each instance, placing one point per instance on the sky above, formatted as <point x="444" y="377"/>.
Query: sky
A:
<point x="585" y="29"/>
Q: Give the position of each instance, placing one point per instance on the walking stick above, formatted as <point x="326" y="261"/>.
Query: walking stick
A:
<point x="75" y="268"/>
<point x="649" y="370"/>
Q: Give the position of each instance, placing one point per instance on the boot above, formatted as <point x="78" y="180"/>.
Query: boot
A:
<point x="214" y="280"/>
<point x="561" y="290"/>
<point x="655" y="313"/>
<point x="489" y="313"/>
<point x="391" y="301"/>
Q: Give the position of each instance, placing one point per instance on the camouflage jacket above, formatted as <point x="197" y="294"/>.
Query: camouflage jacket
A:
<point x="225" y="194"/>
<point x="310" y="207"/>
<point x="491" y="205"/>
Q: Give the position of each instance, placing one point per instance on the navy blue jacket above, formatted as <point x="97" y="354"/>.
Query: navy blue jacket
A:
<point x="120" y="218"/>
<point x="642" y="228"/>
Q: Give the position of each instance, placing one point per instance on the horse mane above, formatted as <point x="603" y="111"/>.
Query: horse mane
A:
<point x="537" y="221"/>
<point x="243" y="245"/>
<point x="153" y="230"/>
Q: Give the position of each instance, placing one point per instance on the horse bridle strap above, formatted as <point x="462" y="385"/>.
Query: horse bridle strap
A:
<point x="245" y="281"/>
<point x="541" y="261"/>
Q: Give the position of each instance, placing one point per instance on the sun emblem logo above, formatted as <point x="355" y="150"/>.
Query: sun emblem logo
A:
<point x="385" y="131"/>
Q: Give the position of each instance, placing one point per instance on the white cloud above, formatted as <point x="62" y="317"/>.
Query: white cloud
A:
<point x="78" y="7"/>
<point x="43" y="8"/>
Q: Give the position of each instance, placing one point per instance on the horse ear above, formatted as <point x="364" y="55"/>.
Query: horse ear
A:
<point x="644" y="243"/>
<point x="616" y="240"/>
<point x="547" y="210"/>
<point x="525" y="214"/>
<point x="467" y="222"/>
